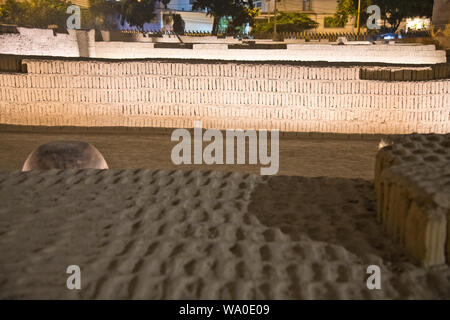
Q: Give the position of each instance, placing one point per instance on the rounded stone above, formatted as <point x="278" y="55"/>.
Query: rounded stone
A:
<point x="65" y="155"/>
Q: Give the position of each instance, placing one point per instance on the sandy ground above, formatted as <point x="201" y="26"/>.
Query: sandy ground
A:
<point x="308" y="157"/>
<point x="190" y="234"/>
<point x="146" y="234"/>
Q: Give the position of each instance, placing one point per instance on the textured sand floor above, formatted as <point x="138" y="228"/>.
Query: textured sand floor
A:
<point x="349" y="158"/>
<point x="146" y="234"/>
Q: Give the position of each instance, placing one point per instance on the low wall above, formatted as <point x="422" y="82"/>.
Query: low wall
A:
<point x="112" y="50"/>
<point x="223" y="95"/>
<point x="438" y="71"/>
<point x="39" y="42"/>
<point x="413" y="54"/>
<point x="119" y="36"/>
<point x="80" y="43"/>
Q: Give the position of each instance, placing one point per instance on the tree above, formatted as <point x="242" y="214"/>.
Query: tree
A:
<point x="243" y="17"/>
<point x="165" y="3"/>
<point x="178" y="24"/>
<point x="237" y="11"/>
<point x="392" y="11"/>
<point x="347" y="9"/>
<point x="12" y="12"/>
<point x="286" y="22"/>
<point x="137" y="12"/>
<point x="35" y="13"/>
<point x="102" y="14"/>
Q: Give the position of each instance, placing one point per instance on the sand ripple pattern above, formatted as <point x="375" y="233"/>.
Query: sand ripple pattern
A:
<point x="145" y="234"/>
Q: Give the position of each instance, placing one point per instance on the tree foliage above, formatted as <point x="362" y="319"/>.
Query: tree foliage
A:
<point x="165" y="3"/>
<point x="34" y="13"/>
<point x="242" y="17"/>
<point x="347" y="9"/>
<point x="237" y="12"/>
<point x="102" y="14"/>
<point x="392" y="11"/>
<point x="178" y="24"/>
<point x="137" y="12"/>
<point x="286" y="22"/>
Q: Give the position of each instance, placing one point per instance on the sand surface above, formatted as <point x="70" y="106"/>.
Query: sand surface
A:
<point x="308" y="157"/>
<point x="149" y="234"/>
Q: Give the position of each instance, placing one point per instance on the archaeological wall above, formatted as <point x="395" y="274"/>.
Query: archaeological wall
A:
<point x="82" y="43"/>
<point x="412" y="184"/>
<point x="40" y="42"/>
<point x="171" y="93"/>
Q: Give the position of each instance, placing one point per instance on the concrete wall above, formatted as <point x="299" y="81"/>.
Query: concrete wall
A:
<point x="222" y="95"/>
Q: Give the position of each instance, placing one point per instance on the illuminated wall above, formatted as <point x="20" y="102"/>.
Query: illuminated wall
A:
<point x="223" y="95"/>
<point x="82" y="43"/>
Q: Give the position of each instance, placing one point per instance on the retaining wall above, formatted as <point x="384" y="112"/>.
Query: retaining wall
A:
<point x="222" y="95"/>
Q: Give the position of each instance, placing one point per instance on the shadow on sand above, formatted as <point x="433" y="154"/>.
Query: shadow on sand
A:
<point x="337" y="211"/>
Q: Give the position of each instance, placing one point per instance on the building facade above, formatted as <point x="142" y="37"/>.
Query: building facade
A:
<point x="317" y="10"/>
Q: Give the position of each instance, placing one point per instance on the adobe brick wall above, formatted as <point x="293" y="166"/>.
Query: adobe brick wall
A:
<point x="42" y="42"/>
<point x="223" y="95"/>
<point x="393" y="54"/>
<point x="412" y="183"/>
<point x="437" y="71"/>
<point x="39" y="42"/>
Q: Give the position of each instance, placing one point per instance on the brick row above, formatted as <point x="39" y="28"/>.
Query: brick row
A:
<point x="355" y="127"/>
<point x="204" y="98"/>
<point x="232" y="70"/>
<point x="224" y="84"/>
<point x="236" y="112"/>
